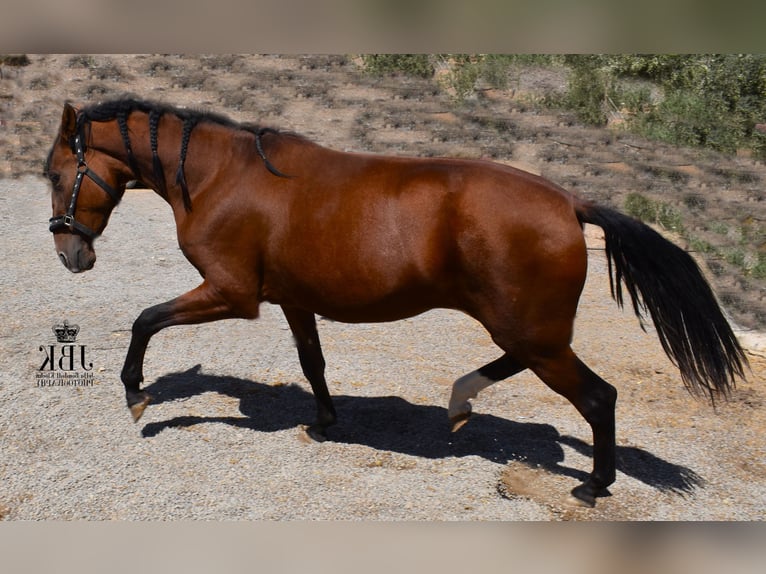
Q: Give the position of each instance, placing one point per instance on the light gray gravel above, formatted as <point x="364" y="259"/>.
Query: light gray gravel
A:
<point x="223" y="440"/>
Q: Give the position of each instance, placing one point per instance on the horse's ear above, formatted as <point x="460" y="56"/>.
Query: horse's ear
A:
<point x="68" y="121"/>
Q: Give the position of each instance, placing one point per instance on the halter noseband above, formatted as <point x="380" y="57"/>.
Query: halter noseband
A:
<point x="68" y="221"/>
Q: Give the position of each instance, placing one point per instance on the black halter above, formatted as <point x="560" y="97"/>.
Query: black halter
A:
<point x="68" y="221"/>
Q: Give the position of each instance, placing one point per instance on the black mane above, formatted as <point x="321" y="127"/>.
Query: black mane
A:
<point x="120" y="109"/>
<point x="112" y="109"/>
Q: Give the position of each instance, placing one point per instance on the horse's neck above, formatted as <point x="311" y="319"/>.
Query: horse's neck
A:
<point x="177" y="170"/>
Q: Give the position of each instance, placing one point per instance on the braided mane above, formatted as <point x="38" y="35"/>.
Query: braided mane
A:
<point x="120" y="109"/>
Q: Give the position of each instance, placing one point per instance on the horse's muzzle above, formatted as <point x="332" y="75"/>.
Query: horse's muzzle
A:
<point x="79" y="262"/>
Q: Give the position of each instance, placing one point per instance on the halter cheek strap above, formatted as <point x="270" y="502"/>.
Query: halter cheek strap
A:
<point x="68" y="221"/>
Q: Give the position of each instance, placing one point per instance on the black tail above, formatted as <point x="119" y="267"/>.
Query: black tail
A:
<point x="664" y="280"/>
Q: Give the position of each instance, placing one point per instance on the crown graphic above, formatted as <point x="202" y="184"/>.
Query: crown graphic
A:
<point x="66" y="333"/>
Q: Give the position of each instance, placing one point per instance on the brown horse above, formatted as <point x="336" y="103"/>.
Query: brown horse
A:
<point x="270" y="216"/>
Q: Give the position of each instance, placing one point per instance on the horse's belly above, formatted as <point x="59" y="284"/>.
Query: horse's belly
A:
<point x="355" y="299"/>
<point x="389" y="309"/>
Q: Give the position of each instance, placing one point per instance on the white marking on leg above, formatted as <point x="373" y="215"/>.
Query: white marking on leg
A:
<point x="466" y="387"/>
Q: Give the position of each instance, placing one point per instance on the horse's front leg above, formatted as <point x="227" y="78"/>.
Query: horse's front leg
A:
<point x="304" y="328"/>
<point x="200" y="305"/>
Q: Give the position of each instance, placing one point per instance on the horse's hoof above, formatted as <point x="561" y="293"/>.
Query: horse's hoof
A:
<point x="137" y="409"/>
<point x="580" y="501"/>
<point x="585" y="495"/>
<point x="459" y="420"/>
<point x="316" y="433"/>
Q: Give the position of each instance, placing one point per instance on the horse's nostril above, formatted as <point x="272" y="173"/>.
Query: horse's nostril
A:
<point x="64" y="260"/>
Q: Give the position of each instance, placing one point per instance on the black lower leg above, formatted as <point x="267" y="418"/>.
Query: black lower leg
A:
<point x="303" y="326"/>
<point x="313" y="365"/>
<point x="313" y="369"/>
<point x="132" y="372"/>
<point x="502" y="368"/>
<point x="598" y="409"/>
<point x="595" y="399"/>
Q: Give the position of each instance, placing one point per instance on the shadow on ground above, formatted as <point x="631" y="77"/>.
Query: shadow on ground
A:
<point x="393" y="424"/>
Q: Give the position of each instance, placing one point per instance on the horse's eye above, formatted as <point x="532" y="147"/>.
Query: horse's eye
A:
<point x="55" y="178"/>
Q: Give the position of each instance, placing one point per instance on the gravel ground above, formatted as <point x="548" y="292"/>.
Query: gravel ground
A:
<point x="222" y="441"/>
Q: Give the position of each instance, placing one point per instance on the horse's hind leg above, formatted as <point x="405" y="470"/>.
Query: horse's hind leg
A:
<point x="468" y="387"/>
<point x="595" y="399"/>
<point x="304" y="328"/>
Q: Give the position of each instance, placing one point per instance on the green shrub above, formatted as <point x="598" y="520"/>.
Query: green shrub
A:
<point x="589" y="89"/>
<point x="759" y="269"/>
<point x="706" y="100"/>
<point x="688" y="119"/>
<point x="656" y="212"/>
<point x="640" y="207"/>
<point x="710" y="100"/>
<point x="464" y="70"/>
<point x="14" y="60"/>
<point x="82" y="61"/>
<point x="418" y="65"/>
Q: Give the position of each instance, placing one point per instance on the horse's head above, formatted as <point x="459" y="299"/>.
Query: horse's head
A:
<point x="87" y="185"/>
